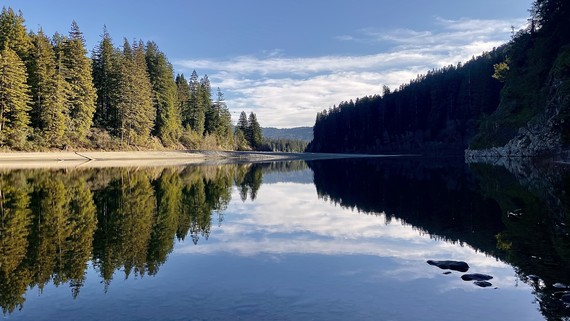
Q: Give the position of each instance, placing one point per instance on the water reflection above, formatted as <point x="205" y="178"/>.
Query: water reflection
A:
<point x="52" y="223"/>
<point x="373" y="221"/>
<point x="517" y="213"/>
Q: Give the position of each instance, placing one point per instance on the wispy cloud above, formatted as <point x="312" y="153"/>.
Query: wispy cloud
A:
<point x="304" y="224"/>
<point x="288" y="91"/>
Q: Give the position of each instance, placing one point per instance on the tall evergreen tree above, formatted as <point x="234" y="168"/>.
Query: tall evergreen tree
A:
<point x="194" y="116"/>
<point x="168" y="126"/>
<point x="183" y="96"/>
<point x="224" y="130"/>
<point x="106" y="73"/>
<point x="135" y="107"/>
<point x="241" y="133"/>
<point x="48" y="113"/>
<point x="14" y="100"/>
<point x="212" y="113"/>
<point x="81" y="96"/>
<point x="254" y="129"/>
<point x="13" y="32"/>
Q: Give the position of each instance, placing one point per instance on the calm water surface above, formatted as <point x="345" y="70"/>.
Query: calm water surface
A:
<point x="323" y="240"/>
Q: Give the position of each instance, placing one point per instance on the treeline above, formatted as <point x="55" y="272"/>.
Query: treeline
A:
<point x="53" y="96"/>
<point x="483" y="103"/>
<point x="285" y="145"/>
<point x="437" y="111"/>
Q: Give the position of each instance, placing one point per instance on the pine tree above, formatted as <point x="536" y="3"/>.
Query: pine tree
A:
<point x="183" y="98"/>
<point x="135" y="108"/>
<point x="168" y="126"/>
<point x="241" y="134"/>
<point x="48" y="91"/>
<point x="256" y="137"/>
<point x="224" y="130"/>
<point x="212" y="112"/>
<point x="205" y="103"/>
<point x="14" y="100"/>
<point x="106" y="73"/>
<point x="81" y="96"/>
<point x="13" y="32"/>
<point x="194" y="116"/>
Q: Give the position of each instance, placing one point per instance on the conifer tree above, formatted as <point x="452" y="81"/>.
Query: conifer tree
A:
<point x="205" y="102"/>
<point x="183" y="99"/>
<point x="241" y="132"/>
<point x="254" y="129"/>
<point x="14" y="100"/>
<point x="48" y="91"/>
<point x="224" y="130"/>
<point x="168" y="126"/>
<point x="135" y="108"/>
<point x="81" y="96"/>
<point x="13" y="32"/>
<point x="194" y="116"/>
<point x="106" y="73"/>
<point x="212" y="111"/>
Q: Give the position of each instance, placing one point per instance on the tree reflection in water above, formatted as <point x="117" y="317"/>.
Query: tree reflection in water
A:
<point x="470" y="204"/>
<point x="54" y="222"/>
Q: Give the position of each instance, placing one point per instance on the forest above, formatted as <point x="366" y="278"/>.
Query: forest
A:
<point x="486" y="102"/>
<point x="53" y="96"/>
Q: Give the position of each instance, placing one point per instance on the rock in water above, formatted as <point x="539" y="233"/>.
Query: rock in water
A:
<point x="482" y="284"/>
<point x="476" y="277"/>
<point x="450" y="265"/>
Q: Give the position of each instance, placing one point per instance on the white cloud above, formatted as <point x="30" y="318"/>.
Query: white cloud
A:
<point x="304" y="224"/>
<point x="289" y="91"/>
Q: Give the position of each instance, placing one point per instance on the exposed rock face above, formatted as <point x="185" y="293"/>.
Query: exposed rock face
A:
<point x="540" y="137"/>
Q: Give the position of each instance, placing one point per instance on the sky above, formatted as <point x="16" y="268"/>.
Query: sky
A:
<point x="287" y="60"/>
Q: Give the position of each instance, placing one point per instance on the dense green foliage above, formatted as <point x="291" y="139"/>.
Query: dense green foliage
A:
<point x="248" y="133"/>
<point x="533" y="72"/>
<point x="436" y="111"/>
<point x="285" y="145"/>
<point x="54" y="96"/>
<point x="482" y="103"/>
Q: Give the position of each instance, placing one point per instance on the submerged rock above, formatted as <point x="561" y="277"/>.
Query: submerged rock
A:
<point x="476" y="277"/>
<point x="482" y="284"/>
<point x="450" y="265"/>
<point x="447" y="272"/>
<point x="560" y="286"/>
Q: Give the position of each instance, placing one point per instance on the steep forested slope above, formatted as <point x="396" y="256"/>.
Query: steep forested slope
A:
<point x="436" y="111"/>
<point x="514" y="100"/>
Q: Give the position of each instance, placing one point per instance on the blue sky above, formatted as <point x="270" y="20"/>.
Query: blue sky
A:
<point x="287" y="60"/>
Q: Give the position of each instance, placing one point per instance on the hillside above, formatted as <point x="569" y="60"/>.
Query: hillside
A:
<point x="296" y="133"/>
<point x="513" y="100"/>
<point x="436" y="112"/>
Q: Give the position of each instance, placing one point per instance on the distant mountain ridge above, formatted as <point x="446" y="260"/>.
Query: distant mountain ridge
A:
<point x="298" y="133"/>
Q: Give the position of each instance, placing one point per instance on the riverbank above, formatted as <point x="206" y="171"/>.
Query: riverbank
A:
<point x="148" y="158"/>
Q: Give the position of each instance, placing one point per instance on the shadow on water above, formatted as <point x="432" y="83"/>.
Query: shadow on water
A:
<point x="517" y="213"/>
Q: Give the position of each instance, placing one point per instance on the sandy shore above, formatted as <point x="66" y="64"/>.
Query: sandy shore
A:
<point x="146" y="158"/>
